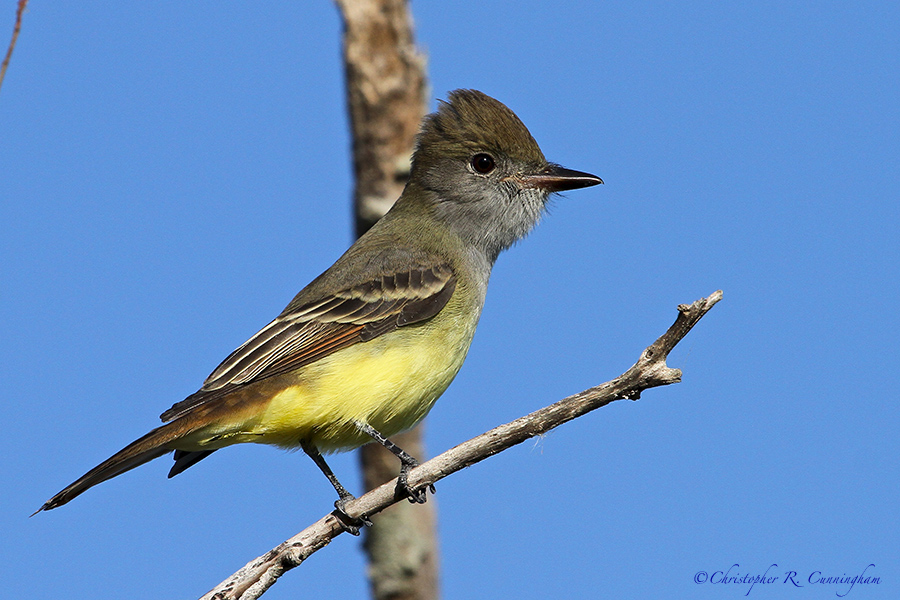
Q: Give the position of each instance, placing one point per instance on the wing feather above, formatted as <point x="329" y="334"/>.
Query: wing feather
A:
<point x="316" y="329"/>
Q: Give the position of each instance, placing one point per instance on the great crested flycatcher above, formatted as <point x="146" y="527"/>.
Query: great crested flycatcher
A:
<point x="363" y="351"/>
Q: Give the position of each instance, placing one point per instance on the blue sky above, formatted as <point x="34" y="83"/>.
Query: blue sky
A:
<point x="174" y="172"/>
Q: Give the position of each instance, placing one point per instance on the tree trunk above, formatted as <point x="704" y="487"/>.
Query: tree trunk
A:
<point x="386" y="99"/>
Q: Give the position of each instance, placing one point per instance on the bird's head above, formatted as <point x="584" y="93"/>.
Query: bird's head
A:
<point x="483" y="171"/>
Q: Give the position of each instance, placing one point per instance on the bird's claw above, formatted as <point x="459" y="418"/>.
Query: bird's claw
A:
<point x="419" y="496"/>
<point x="415" y="496"/>
<point x="349" y="524"/>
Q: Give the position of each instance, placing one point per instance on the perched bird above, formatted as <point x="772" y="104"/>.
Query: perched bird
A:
<point x="364" y="351"/>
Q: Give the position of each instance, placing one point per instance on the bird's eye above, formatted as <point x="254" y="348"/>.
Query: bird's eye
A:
<point x="483" y="163"/>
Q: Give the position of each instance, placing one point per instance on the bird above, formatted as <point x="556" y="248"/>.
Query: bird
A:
<point x="364" y="351"/>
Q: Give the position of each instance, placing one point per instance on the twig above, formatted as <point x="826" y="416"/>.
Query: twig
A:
<point x="649" y="371"/>
<point x="12" y="42"/>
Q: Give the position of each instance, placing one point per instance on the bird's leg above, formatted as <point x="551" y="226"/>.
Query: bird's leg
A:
<point x="407" y="462"/>
<point x="350" y="524"/>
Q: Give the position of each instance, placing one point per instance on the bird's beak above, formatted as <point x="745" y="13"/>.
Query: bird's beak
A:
<point x="557" y="179"/>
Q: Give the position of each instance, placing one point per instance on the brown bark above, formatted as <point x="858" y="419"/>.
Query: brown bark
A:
<point x="386" y="99"/>
<point x="20" y="10"/>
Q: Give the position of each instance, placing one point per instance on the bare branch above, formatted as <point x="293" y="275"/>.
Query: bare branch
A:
<point x="15" y="36"/>
<point x="649" y="371"/>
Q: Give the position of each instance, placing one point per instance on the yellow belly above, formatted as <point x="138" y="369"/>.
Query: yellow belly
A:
<point x="390" y="383"/>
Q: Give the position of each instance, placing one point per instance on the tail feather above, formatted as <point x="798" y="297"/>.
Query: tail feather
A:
<point x="153" y="445"/>
<point x="187" y="458"/>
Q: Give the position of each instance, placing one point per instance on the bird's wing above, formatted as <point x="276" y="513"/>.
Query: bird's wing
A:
<point x="304" y="334"/>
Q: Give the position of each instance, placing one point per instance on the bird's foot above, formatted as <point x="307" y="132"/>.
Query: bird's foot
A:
<point x="349" y="524"/>
<point x="415" y="496"/>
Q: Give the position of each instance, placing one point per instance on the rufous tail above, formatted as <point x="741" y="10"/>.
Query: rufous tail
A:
<point x="153" y="445"/>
